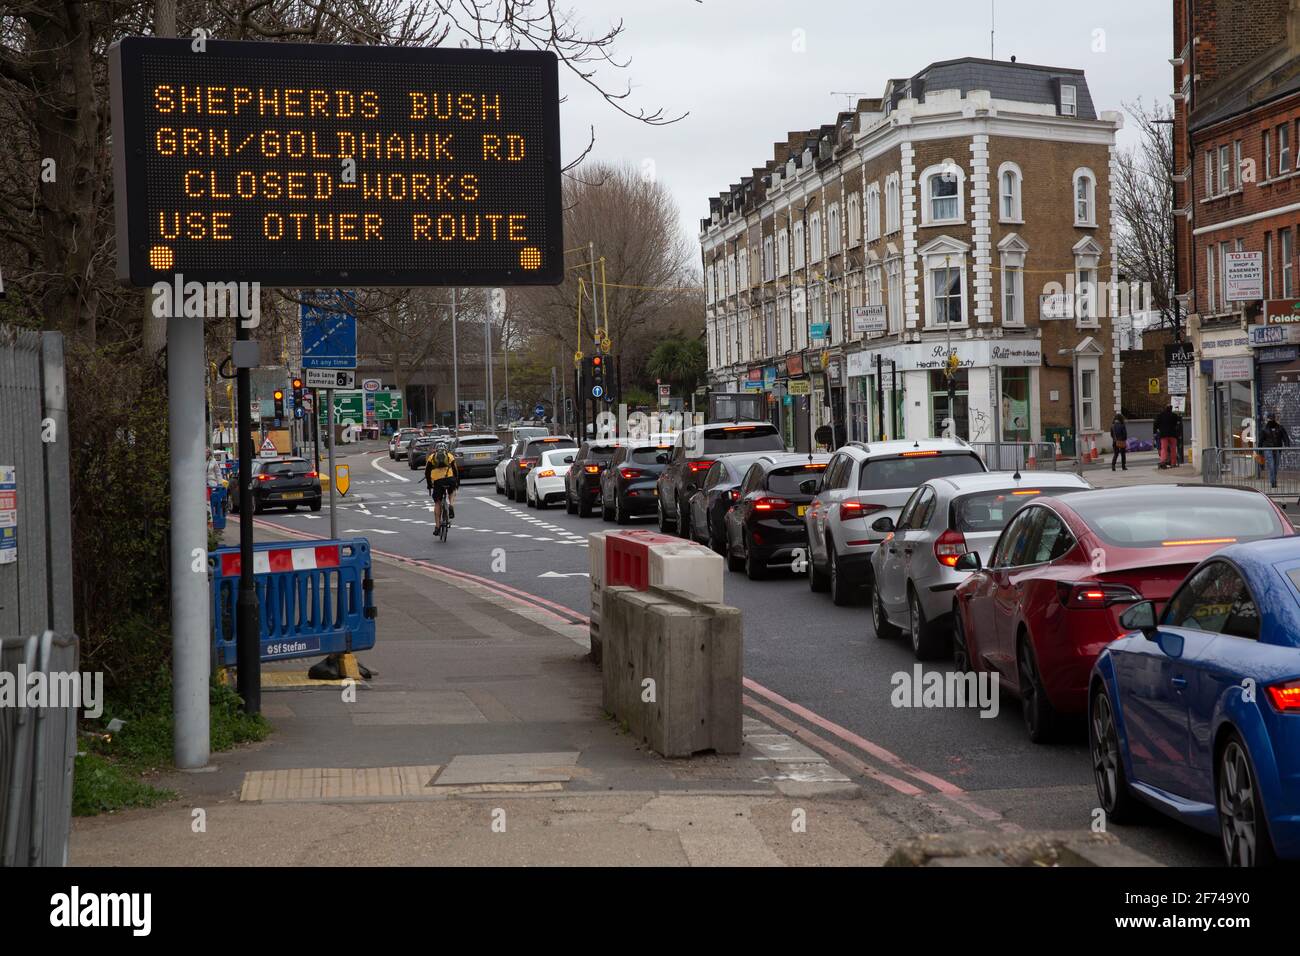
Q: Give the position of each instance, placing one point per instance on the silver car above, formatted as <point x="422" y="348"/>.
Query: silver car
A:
<point x="862" y="484"/>
<point x="913" y="575"/>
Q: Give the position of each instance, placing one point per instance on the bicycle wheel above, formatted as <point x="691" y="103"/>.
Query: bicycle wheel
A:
<point x="446" y="525"/>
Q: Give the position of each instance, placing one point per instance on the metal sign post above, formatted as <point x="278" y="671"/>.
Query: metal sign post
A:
<point x="247" y="613"/>
<point x="329" y="438"/>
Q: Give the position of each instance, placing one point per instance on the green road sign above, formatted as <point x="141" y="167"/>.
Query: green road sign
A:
<point x="389" y="405"/>
<point x="346" y="405"/>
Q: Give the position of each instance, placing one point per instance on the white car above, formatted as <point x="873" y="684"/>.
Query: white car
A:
<point x="545" y="482"/>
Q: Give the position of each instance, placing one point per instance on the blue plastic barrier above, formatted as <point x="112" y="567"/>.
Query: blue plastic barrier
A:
<point x="315" y="598"/>
<point x="217" y="501"/>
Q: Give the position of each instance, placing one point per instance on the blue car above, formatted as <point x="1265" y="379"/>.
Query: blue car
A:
<point x="1198" y="713"/>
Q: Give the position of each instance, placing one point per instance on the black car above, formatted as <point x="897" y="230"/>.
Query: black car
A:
<point x="694" y="450"/>
<point x="283" y="483"/>
<point x="765" y="526"/>
<point x="477" y="455"/>
<point x="517" y="469"/>
<point x="582" y="483"/>
<point x="627" y="485"/>
<point x="709" y="505"/>
<point x="419" y="450"/>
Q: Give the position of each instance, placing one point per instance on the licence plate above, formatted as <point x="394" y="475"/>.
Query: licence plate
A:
<point x="292" y="494"/>
<point x="802" y="510"/>
<point x="480" y="454"/>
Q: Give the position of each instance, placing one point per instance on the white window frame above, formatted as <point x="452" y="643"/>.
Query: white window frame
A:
<point x="1267" y="137"/>
<point x="833" y="229"/>
<point x="1013" y="250"/>
<point x="798" y="245"/>
<point x="1268" y="261"/>
<point x="1069" y="100"/>
<point x="1209" y="278"/>
<point x="769" y="262"/>
<point x="1283" y="148"/>
<point x="1016" y="213"/>
<point x="1087" y="307"/>
<point x="1236" y="164"/>
<point x="894" y="293"/>
<point x="1286" y="250"/>
<point x="893" y="204"/>
<point x="1209" y="173"/>
<point x="945" y="253"/>
<point x="731" y="275"/>
<point x="1084" y="174"/>
<point x="1224" y="304"/>
<point x="1089" y="407"/>
<point x="854" y="221"/>
<point x="783" y="251"/>
<point x="1225" y="174"/>
<point x="928" y="177"/>
<point x="815" y="239"/>
<point x="873" y="212"/>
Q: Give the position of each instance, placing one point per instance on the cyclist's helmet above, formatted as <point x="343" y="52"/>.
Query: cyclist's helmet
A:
<point x="440" y="446"/>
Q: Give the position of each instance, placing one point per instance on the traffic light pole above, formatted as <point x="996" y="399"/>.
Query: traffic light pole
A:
<point x="248" y="656"/>
<point x="329" y="438"/>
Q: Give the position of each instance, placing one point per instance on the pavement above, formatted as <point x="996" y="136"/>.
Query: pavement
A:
<point x="481" y="740"/>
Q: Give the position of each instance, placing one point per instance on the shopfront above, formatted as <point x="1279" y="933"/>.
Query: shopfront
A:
<point x="1228" y="386"/>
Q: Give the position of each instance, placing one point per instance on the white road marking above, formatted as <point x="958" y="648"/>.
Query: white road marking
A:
<point x="379" y="467"/>
<point x="366" y="531"/>
<point x="572" y="574"/>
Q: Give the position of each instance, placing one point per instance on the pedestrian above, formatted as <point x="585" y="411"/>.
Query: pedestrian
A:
<point x="1119" y="442"/>
<point x="1167" y="425"/>
<point x="1273" y="437"/>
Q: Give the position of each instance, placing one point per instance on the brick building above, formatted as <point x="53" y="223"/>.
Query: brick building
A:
<point x="957" y="214"/>
<point x="1237" y="191"/>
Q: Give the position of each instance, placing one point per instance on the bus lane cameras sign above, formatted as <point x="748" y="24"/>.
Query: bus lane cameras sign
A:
<point x="310" y="165"/>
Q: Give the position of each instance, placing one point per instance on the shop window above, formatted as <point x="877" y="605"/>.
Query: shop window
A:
<point x="939" y="403"/>
<point x="1017" y="411"/>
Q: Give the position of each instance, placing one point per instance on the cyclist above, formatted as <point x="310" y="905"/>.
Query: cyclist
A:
<point x="442" y="478"/>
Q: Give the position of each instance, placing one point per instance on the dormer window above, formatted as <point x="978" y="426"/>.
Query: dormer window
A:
<point x="1069" y="103"/>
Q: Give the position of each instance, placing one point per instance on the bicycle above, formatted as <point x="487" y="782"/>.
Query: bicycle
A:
<point x="443" y="499"/>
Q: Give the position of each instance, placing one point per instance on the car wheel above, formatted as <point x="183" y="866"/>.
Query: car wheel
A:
<point x="961" y="658"/>
<point x="292" y="507"/>
<point x="620" y="516"/>
<point x="528" y="499"/>
<point x="606" y="512"/>
<point x="569" y="506"/>
<point x="734" y="561"/>
<point x="683" y="523"/>
<point x="584" y="507"/>
<point x="663" y="518"/>
<point x="1117" y="801"/>
<point x="755" y="569"/>
<point x="927" y="643"/>
<point x="718" y="542"/>
<point x="1242" y="822"/>
<point x="500" y="490"/>
<point x="842" y="591"/>
<point x="541" y="503"/>
<point x="1041" y="720"/>
<point x="880" y="620"/>
<point x="258" y="508"/>
<point x="818" y="580"/>
<point x="315" y="505"/>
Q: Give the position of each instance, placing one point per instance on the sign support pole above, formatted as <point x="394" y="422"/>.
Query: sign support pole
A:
<point x="248" y="657"/>
<point x="455" y="371"/>
<point x="329" y="438"/>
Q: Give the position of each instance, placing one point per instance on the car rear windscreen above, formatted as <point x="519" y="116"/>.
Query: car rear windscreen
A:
<point x="991" y="510"/>
<point x="476" y="442"/>
<point x="731" y="438"/>
<point x="287" y="468"/>
<point x="600" y="452"/>
<point x="548" y="444"/>
<point x="1180" y="516"/>
<point x="786" y="481"/>
<point x="908" y="471"/>
<point x="649" y="456"/>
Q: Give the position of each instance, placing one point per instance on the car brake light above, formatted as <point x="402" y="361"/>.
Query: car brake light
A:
<point x="698" y="465"/>
<point x="527" y="462"/>
<point x="629" y="473"/>
<point x="771" y="504"/>
<point x="591" y="469"/>
<point x="548" y="473"/>
<point x="1028" y="491"/>
<point x="265" y="477"/>
<point x="857" y="509"/>
<point x="312" y="474"/>
<point x="1091" y="594"/>
<point x="734" y="494"/>
<point x="950" y="546"/>
<point x="919" y="454"/>
<point x="1285" y="697"/>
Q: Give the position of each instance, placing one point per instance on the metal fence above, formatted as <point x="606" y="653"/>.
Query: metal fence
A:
<point x="37" y="744"/>
<point x="1017" y="455"/>
<point x="1274" y="471"/>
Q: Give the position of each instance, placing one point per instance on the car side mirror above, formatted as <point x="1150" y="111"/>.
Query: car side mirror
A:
<point x="568" y="459"/>
<point x="661" y="459"/>
<point x="883" y="524"/>
<point x="809" y="486"/>
<point x="1141" y="617"/>
<point x="970" y="561"/>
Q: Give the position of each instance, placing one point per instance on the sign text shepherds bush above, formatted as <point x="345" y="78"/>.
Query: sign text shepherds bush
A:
<point x="315" y="165"/>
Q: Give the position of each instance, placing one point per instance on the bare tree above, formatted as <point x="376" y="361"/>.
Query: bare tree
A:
<point x="1144" y="196"/>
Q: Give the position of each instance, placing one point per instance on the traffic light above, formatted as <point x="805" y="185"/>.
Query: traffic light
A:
<point x="596" y="376"/>
<point x="278" y="395"/>
<point x="297" y="393"/>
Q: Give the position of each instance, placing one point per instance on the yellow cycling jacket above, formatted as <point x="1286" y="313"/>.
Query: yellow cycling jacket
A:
<point x="433" y="473"/>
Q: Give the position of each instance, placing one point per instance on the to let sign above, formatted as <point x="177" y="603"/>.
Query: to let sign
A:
<point x="1243" y="276"/>
<point x="296" y="164"/>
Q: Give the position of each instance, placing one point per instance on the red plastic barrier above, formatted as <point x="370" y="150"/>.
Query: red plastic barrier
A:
<point x="627" y="557"/>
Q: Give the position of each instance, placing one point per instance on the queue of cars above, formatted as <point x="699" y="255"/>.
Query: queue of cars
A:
<point x="1165" y="618"/>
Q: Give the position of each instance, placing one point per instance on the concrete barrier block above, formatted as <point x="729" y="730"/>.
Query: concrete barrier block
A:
<point x="692" y="652"/>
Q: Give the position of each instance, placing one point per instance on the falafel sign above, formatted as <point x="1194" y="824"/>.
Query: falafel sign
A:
<point x="296" y="164"/>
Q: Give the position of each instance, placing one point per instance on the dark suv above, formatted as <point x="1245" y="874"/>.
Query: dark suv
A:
<point x="582" y="483"/>
<point x="766" y="526"/>
<point x="694" y="450"/>
<point x="283" y="483"/>
<point x="517" y="469"/>
<point x="627" y="486"/>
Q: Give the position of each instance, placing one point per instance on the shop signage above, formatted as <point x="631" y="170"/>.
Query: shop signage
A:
<point x="798" y="386"/>
<point x="1277" y="353"/>
<point x="794" y="365"/>
<point x="1243" y="276"/>
<point x="868" y="318"/>
<point x="1282" y="311"/>
<point x="1233" y="368"/>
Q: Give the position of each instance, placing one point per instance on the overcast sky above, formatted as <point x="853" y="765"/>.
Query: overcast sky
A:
<point x="731" y="65"/>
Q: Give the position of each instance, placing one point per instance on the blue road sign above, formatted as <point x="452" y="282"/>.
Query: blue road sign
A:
<point x="329" y="330"/>
<point x="539" y="411"/>
<point x="597" y="391"/>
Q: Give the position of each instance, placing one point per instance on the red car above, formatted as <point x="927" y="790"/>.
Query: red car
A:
<point x="1064" y="570"/>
